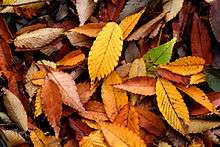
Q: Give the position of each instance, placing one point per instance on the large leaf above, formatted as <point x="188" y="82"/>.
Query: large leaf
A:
<point x="116" y="136"/>
<point x="214" y="18"/>
<point x="213" y="79"/>
<point x="139" y="85"/>
<point x="68" y="89"/>
<point x="185" y="66"/>
<point x="15" y="109"/>
<point x="171" y="105"/>
<point x="161" y="54"/>
<point x="52" y="104"/>
<point x="113" y="98"/>
<point x="105" y="52"/>
<point x="172" y="7"/>
<point x="129" y="23"/>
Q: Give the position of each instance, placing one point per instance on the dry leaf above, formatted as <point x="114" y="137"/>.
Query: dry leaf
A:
<point x="90" y="29"/>
<point x="123" y="70"/>
<point x="85" y="92"/>
<point x="171" y="105"/>
<point x="38" y="104"/>
<point x="138" y="68"/>
<point x="132" y="52"/>
<point x="93" y="115"/>
<point x="197" y="78"/>
<point x="68" y="89"/>
<point x="15" y="109"/>
<point x="52" y="104"/>
<point x="172" y="7"/>
<point x="116" y="136"/>
<point x="129" y="23"/>
<point x="105" y="52"/>
<point x="12" y="138"/>
<point x="37" y="38"/>
<point x="185" y="66"/>
<point x="38" y="138"/>
<point x="139" y="85"/>
<point x="214" y="18"/>
<point x="112" y="98"/>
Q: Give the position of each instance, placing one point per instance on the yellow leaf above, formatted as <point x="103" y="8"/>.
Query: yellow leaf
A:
<point x="171" y="105"/>
<point x="198" y="95"/>
<point x="113" y="98"/>
<point x="138" y="68"/>
<point x="95" y="139"/>
<point x="119" y="136"/>
<point x="105" y="52"/>
<point x="8" y="2"/>
<point x="197" y="78"/>
<point x="38" y="138"/>
<point x="90" y="29"/>
<point x="38" y="104"/>
<point x="129" y="23"/>
<point x="185" y="66"/>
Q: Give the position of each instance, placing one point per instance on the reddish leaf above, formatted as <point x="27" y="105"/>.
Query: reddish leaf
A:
<point x="200" y="40"/>
<point x="85" y="91"/>
<point x="52" y="104"/>
<point x="214" y="18"/>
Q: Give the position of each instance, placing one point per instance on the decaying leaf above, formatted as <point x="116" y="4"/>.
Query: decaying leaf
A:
<point x="139" y="85"/>
<point x="37" y="38"/>
<point x="137" y="68"/>
<point x="171" y="105"/>
<point x="214" y="18"/>
<point x="185" y="66"/>
<point x="116" y="135"/>
<point x="15" y="109"/>
<point x="105" y="52"/>
<point x="85" y="91"/>
<point x="12" y="138"/>
<point x="132" y="52"/>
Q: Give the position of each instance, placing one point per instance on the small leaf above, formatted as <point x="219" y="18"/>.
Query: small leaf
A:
<point x="116" y="136"/>
<point x="38" y="138"/>
<point x="38" y="104"/>
<point x="52" y="104"/>
<point x="172" y="7"/>
<point x="137" y="68"/>
<point x="12" y="138"/>
<point x="15" y="109"/>
<point x="139" y="85"/>
<point x="161" y="54"/>
<point x="85" y="91"/>
<point x="129" y="23"/>
<point x="197" y="78"/>
<point x="213" y="79"/>
<point x="171" y="105"/>
<point x="90" y="29"/>
<point x="185" y="66"/>
<point x="198" y="95"/>
<point x="84" y="9"/>
<point x="214" y="18"/>
<point x="105" y="52"/>
<point x="37" y="38"/>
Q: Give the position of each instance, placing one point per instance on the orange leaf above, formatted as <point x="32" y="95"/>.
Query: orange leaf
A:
<point x="85" y="91"/>
<point x="52" y="104"/>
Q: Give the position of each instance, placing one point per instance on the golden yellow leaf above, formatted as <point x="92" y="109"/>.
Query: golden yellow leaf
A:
<point x="38" y="138"/>
<point x="8" y="2"/>
<point x="38" y="104"/>
<point x="105" y="52"/>
<point x="138" y="68"/>
<point x="129" y="23"/>
<point x="171" y="105"/>
<point x="90" y="29"/>
<point x="113" y="98"/>
<point x="197" y="78"/>
<point x="198" y="95"/>
<point x="37" y="78"/>
<point x="185" y="66"/>
<point x="116" y="136"/>
<point x="95" y="139"/>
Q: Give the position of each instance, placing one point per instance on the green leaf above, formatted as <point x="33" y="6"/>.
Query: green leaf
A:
<point x="161" y="54"/>
<point x="213" y="79"/>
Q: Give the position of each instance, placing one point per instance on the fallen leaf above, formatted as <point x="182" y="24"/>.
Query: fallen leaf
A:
<point x="103" y="56"/>
<point x="12" y="138"/>
<point x="123" y="70"/>
<point x="52" y="104"/>
<point x="197" y="78"/>
<point x="185" y="66"/>
<point x="85" y="91"/>
<point x="132" y="52"/>
<point x="213" y="79"/>
<point x="138" y="68"/>
<point x="214" y="18"/>
<point x="38" y="138"/>
<point x="139" y="85"/>
<point x="38" y="104"/>
<point x="77" y="39"/>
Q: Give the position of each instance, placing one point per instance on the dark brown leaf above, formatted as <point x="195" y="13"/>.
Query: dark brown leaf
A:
<point x="214" y="18"/>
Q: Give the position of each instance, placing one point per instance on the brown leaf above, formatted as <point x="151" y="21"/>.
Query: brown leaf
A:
<point x="15" y="109"/>
<point x="214" y="18"/>
<point x="138" y="68"/>
<point x="52" y="104"/>
<point x="132" y="52"/>
<point x="139" y="85"/>
<point x="123" y="70"/>
<point x="80" y="128"/>
<point x="85" y="92"/>
<point x="200" y="40"/>
<point x="151" y="122"/>
<point x="68" y="89"/>
<point x="172" y="76"/>
<point x="12" y="138"/>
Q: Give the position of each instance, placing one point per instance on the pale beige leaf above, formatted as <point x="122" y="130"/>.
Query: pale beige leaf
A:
<point x="199" y="126"/>
<point x="116" y="136"/>
<point x="68" y="89"/>
<point x="95" y="139"/>
<point x="84" y="9"/>
<point x="138" y="68"/>
<point x="15" y="109"/>
<point x="172" y="7"/>
<point x="197" y="78"/>
<point x="37" y="38"/>
<point x="12" y="138"/>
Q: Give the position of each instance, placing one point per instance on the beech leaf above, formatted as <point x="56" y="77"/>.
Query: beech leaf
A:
<point x="213" y="79"/>
<point x="214" y="18"/>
